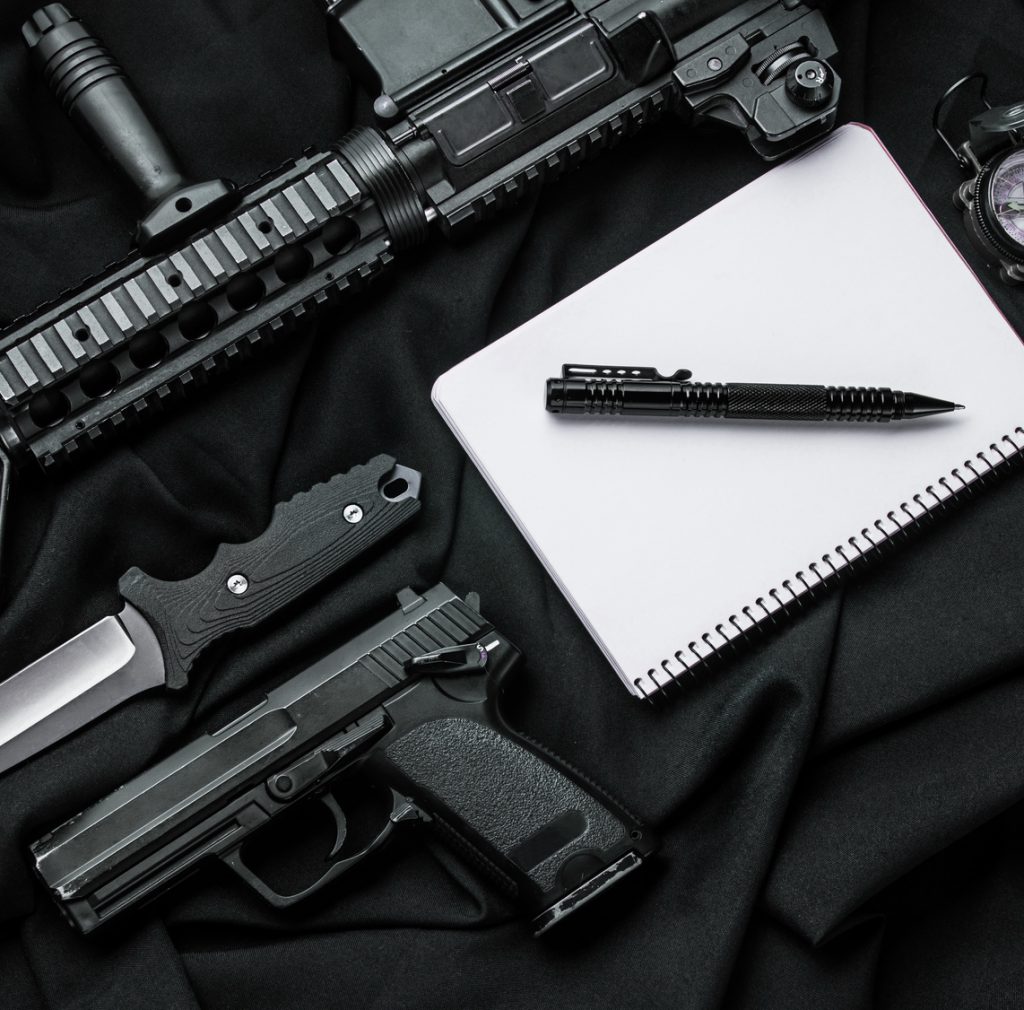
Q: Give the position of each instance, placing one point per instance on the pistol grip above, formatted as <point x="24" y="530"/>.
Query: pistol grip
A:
<point x="552" y="839"/>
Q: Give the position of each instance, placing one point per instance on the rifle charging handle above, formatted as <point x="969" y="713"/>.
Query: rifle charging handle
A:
<point x="99" y="98"/>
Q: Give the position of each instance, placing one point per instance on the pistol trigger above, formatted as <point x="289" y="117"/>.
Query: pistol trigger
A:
<point x="340" y="823"/>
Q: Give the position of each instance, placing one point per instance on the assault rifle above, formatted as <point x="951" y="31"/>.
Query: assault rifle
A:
<point x="481" y="103"/>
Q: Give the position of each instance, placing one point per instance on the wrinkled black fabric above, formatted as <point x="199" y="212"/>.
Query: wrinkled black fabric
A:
<point x="841" y="809"/>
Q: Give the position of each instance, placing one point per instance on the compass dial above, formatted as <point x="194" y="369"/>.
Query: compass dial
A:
<point x="1006" y="196"/>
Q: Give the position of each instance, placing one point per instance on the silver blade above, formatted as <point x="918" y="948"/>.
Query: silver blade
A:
<point x="77" y="682"/>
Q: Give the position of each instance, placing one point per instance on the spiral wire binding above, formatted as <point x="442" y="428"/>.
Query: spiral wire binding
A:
<point x="844" y="561"/>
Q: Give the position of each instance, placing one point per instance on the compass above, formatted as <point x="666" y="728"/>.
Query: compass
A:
<point x="992" y="198"/>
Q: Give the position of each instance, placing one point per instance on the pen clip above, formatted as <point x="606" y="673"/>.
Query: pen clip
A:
<point x="623" y="373"/>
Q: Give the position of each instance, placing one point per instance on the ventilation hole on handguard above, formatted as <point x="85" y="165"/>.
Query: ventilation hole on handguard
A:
<point x="147" y="349"/>
<point x="245" y="292"/>
<point x="99" y="378"/>
<point x="48" y="408"/>
<point x="197" y="320"/>
<point x="338" y="234"/>
<point x="293" y="264"/>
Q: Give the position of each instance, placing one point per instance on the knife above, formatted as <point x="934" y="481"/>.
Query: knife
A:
<point x="164" y="626"/>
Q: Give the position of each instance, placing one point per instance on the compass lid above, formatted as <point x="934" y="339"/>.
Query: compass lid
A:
<point x="993" y="127"/>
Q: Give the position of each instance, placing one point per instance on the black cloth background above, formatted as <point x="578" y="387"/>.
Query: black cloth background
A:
<point x="842" y="809"/>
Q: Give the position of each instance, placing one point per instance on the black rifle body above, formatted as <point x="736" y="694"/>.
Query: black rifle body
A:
<point x="477" y="106"/>
<point x="548" y="837"/>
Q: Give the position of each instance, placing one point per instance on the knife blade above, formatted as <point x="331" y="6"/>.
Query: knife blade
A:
<point x="164" y="627"/>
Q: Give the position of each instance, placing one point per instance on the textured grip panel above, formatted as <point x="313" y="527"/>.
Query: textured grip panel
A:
<point x="533" y="817"/>
<point x="784" y="403"/>
<point x="308" y="539"/>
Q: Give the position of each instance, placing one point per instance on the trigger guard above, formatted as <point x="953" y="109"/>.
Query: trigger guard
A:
<point x="401" y="810"/>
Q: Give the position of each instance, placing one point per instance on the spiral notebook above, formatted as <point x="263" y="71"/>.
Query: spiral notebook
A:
<point x="676" y="541"/>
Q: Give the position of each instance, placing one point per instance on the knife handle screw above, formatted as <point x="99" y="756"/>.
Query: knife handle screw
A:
<point x="237" y="584"/>
<point x="352" y="513"/>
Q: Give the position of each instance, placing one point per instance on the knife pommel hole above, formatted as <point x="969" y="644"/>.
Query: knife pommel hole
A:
<point x="395" y="488"/>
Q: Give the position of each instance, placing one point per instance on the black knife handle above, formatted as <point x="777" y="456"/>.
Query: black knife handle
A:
<point x="308" y="538"/>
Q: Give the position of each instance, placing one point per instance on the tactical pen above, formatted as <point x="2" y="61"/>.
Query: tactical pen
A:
<point x="610" y="389"/>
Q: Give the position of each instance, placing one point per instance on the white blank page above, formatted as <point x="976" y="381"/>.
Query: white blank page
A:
<point x="661" y="532"/>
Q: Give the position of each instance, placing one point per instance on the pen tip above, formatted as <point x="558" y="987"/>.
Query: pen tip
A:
<point x="959" y="406"/>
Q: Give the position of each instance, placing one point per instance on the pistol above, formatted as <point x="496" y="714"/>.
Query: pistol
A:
<point x="476" y="105"/>
<point x="409" y="706"/>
